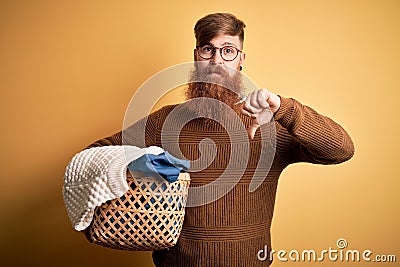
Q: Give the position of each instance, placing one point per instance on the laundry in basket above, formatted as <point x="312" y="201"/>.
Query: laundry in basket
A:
<point x="149" y="216"/>
<point x="119" y="210"/>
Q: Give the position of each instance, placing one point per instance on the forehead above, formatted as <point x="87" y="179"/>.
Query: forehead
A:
<point x="221" y="40"/>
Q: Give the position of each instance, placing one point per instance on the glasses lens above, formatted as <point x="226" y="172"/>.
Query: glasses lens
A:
<point x="229" y="53"/>
<point x="206" y="51"/>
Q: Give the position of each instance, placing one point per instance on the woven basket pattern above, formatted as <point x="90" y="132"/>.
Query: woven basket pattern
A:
<point x="149" y="216"/>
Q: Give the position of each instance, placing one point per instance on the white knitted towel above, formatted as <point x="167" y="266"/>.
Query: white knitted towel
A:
<point x="96" y="175"/>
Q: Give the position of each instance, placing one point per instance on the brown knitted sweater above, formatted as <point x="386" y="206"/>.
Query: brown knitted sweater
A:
<point x="231" y="230"/>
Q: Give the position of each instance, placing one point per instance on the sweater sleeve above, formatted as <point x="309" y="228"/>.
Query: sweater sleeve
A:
<point x="113" y="140"/>
<point x="316" y="138"/>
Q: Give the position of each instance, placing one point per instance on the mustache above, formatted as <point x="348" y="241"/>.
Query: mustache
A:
<point x="218" y="69"/>
<point x="211" y="73"/>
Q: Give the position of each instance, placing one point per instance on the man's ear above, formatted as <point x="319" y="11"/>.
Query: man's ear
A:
<point x="242" y="58"/>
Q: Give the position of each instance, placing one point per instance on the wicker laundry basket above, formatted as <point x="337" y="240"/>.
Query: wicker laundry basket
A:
<point x="149" y="216"/>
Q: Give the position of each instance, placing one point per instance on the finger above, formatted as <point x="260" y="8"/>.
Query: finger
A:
<point x="251" y="132"/>
<point x="253" y="99"/>
<point x="247" y="100"/>
<point x="245" y="112"/>
<point x="272" y="99"/>
<point x="262" y="100"/>
<point x="250" y="108"/>
<point x="266" y="93"/>
<point x="248" y="114"/>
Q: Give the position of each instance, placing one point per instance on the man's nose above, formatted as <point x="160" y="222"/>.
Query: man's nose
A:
<point x="217" y="59"/>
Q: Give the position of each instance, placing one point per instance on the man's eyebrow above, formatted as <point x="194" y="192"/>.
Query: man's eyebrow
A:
<point x="224" y="44"/>
<point x="228" y="43"/>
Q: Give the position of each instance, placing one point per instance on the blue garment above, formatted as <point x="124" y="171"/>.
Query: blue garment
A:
<point x="164" y="165"/>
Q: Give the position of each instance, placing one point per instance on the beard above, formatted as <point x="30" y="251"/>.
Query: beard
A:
<point x="212" y="93"/>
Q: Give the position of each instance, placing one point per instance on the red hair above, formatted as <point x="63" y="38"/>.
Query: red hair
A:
<point x="216" y="24"/>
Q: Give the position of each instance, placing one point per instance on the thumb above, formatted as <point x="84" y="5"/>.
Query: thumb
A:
<point x="251" y="131"/>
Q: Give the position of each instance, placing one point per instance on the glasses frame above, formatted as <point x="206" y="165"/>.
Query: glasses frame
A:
<point x="214" y="49"/>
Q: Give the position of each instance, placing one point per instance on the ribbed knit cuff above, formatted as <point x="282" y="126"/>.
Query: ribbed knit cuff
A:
<point x="288" y="114"/>
<point x="285" y="110"/>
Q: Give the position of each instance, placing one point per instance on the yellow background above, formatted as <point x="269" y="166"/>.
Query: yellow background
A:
<point x="69" y="69"/>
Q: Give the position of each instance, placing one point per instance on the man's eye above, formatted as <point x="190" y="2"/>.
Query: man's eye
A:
<point x="228" y="50"/>
<point x="207" y="49"/>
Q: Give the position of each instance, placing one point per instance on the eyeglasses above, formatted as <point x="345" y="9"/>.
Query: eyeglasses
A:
<point x="228" y="53"/>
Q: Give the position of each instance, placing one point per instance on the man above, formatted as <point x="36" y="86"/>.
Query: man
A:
<point x="229" y="229"/>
